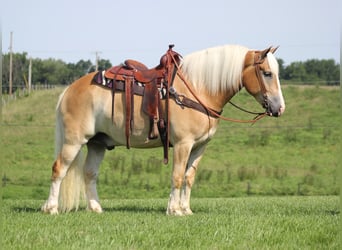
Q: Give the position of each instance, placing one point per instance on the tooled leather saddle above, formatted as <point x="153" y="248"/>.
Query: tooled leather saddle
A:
<point x="134" y="78"/>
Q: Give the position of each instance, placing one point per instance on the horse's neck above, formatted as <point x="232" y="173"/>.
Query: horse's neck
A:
<point x="215" y="102"/>
<point x="223" y="98"/>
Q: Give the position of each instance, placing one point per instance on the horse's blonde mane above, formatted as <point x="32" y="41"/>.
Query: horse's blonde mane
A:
<point x="215" y="69"/>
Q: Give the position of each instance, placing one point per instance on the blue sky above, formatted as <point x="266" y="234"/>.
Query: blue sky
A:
<point x="73" y="30"/>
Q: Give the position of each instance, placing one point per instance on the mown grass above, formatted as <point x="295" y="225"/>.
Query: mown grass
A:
<point x="220" y="223"/>
<point x="295" y="154"/>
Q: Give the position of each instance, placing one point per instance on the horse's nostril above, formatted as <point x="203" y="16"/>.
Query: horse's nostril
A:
<point x="279" y="113"/>
<point x="281" y="110"/>
<point x="270" y="112"/>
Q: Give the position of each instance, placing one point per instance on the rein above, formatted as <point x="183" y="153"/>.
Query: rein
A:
<point x="216" y="114"/>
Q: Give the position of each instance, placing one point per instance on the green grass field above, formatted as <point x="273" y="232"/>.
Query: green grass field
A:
<point x="218" y="223"/>
<point x="272" y="185"/>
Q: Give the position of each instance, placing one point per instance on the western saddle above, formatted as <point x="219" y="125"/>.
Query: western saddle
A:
<point x="134" y="78"/>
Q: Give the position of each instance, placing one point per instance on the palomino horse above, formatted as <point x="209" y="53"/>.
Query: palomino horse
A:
<point x="212" y="77"/>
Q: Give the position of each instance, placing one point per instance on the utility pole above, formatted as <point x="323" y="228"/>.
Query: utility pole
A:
<point x="11" y="64"/>
<point x="97" y="58"/>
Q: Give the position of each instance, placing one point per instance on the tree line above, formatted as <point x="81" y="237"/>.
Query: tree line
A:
<point x="45" y="71"/>
<point x="310" y="72"/>
<point x="57" y="72"/>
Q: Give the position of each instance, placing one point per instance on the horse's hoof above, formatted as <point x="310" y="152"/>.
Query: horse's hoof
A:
<point x="187" y="211"/>
<point x="49" y="209"/>
<point x="95" y="210"/>
<point x="94" y="206"/>
<point x="174" y="212"/>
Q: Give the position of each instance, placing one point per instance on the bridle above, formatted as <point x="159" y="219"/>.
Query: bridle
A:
<point x="257" y="62"/>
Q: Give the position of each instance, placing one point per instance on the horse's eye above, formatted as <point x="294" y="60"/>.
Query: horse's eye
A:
<point x="267" y="73"/>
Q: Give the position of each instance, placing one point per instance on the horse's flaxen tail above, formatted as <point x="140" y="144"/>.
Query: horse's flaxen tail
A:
<point x="72" y="187"/>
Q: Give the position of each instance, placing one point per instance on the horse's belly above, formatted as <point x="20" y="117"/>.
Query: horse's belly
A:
<point x="136" y="139"/>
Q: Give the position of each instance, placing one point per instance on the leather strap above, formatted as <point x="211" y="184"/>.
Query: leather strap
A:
<point x="170" y="69"/>
<point x="137" y="90"/>
<point x="128" y="98"/>
<point x="187" y="102"/>
<point x="257" y="62"/>
<point x="113" y="98"/>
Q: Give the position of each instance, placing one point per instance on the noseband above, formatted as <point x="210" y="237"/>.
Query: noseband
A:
<point x="257" y="62"/>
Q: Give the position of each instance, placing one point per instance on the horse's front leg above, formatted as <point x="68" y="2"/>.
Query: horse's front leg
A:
<point x="192" y="166"/>
<point x="94" y="157"/>
<point x="181" y="154"/>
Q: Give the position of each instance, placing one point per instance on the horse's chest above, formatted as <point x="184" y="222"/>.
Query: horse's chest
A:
<point x="206" y="135"/>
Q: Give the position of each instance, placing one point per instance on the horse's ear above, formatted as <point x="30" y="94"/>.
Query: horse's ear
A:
<point x="264" y="53"/>
<point x="273" y="50"/>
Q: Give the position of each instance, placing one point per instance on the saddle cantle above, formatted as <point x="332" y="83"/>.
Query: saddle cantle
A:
<point x="134" y="78"/>
<point x="140" y="72"/>
<point x="135" y="65"/>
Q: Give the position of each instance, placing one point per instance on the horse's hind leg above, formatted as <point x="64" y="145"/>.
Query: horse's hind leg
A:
<point x="94" y="157"/>
<point x="59" y="170"/>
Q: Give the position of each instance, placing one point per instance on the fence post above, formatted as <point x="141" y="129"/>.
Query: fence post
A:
<point x="299" y="192"/>
<point x="249" y="188"/>
<point x="4" y="180"/>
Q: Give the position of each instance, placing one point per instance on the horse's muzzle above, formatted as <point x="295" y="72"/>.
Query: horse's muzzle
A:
<point x="275" y="113"/>
<point x="275" y="106"/>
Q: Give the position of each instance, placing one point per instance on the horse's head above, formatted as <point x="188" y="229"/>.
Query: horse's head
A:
<point x="260" y="78"/>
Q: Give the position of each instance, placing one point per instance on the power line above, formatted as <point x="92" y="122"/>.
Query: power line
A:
<point x="277" y="127"/>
